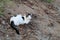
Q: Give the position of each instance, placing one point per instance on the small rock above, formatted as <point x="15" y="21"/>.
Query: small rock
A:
<point x="3" y="22"/>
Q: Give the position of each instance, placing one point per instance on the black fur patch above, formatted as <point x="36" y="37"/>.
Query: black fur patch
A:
<point x="22" y="17"/>
<point x="14" y="27"/>
<point x="28" y="15"/>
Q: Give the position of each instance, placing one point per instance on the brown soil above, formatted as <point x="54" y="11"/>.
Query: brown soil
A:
<point x="45" y="23"/>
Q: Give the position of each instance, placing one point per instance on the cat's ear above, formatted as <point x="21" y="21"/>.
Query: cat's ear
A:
<point x="29" y="14"/>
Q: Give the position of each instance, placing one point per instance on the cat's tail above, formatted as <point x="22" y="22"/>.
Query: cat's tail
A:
<point x="14" y="27"/>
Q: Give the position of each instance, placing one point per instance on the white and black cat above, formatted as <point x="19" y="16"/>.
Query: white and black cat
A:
<point x="18" y="20"/>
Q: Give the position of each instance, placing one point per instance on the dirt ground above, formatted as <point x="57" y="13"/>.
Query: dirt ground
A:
<point x="45" y="23"/>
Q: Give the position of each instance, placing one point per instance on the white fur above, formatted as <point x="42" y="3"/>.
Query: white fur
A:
<point x="18" y="19"/>
<point x="27" y="19"/>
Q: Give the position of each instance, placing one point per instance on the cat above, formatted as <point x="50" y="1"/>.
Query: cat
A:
<point x="18" y="20"/>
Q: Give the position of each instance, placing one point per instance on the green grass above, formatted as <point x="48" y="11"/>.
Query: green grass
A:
<point x="49" y="1"/>
<point x="1" y="7"/>
<point x="2" y="4"/>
